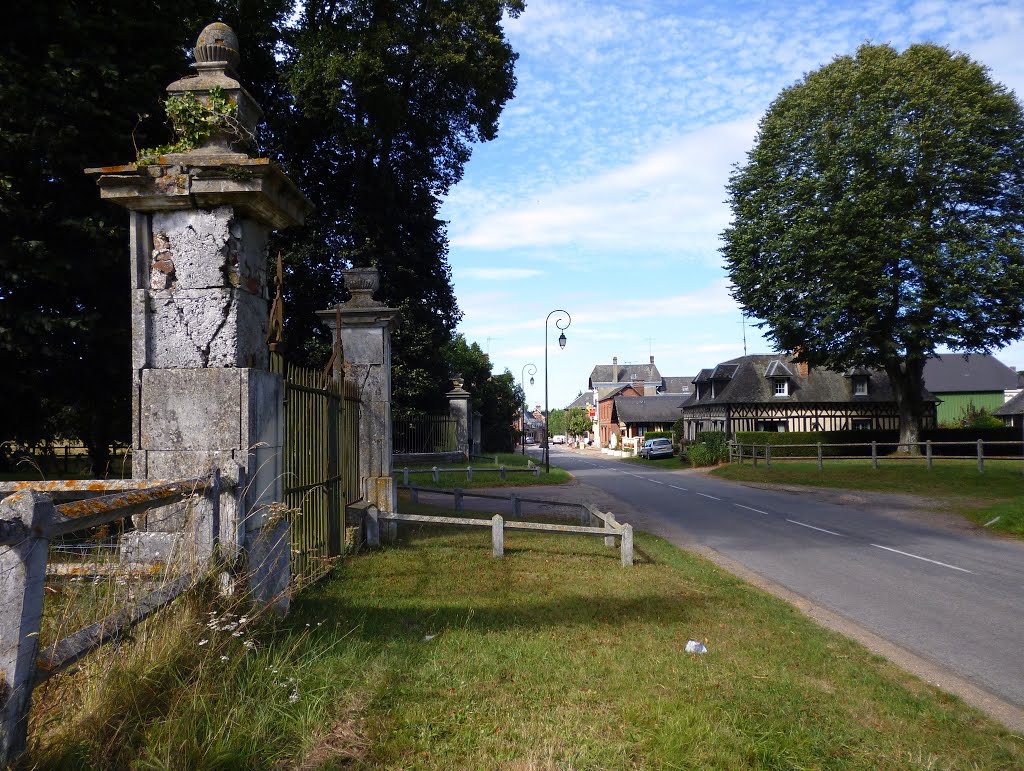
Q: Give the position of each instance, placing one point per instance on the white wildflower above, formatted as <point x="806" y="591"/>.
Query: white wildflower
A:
<point x="203" y="642"/>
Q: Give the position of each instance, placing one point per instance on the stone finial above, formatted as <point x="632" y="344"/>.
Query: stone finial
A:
<point x="217" y="43"/>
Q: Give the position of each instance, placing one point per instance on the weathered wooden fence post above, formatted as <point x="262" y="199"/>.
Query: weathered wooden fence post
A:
<point x="821" y="462"/>
<point x="497" y="536"/>
<point x="981" y="456"/>
<point x="928" y="453"/>
<point x="768" y="455"/>
<point x="24" y="546"/>
<point x="753" y="454"/>
<point x="874" y="454"/>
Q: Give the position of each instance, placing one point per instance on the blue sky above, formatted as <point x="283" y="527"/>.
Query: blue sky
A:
<point x="604" y="193"/>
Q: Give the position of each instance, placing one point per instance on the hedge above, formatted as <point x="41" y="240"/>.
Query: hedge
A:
<point x="887" y="441"/>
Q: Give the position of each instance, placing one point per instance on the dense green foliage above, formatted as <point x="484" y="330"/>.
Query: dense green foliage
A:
<point x="880" y="215"/>
<point x="496" y="397"/>
<point x="384" y="100"/>
<point x="75" y="77"/>
<point x="558" y="422"/>
<point x="578" y="422"/>
<point x="371" y="106"/>
<point x="709" y="449"/>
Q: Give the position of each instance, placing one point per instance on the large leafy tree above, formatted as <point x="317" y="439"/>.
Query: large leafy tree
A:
<point x="880" y="215"/>
<point x="386" y="99"/>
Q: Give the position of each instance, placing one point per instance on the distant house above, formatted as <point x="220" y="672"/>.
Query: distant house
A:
<point x="960" y="381"/>
<point x="774" y="393"/>
<point x="1012" y="412"/>
<point x="638" y="415"/>
<point x="609" y="381"/>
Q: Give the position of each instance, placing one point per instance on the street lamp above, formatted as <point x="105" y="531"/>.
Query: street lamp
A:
<point x="561" y="344"/>
<point x="526" y="402"/>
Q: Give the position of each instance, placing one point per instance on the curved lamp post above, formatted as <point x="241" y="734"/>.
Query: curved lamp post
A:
<point x="561" y="344"/>
<point x="526" y="403"/>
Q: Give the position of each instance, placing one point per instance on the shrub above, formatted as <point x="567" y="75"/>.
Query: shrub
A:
<point x="710" y="449"/>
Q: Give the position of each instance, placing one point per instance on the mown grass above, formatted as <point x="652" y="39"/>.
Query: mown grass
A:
<point x="433" y="655"/>
<point x="670" y="463"/>
<point x="486" y="473"/>
<point x="998" y="493"/>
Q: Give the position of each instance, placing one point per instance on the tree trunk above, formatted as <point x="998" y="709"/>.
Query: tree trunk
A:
<point x="907" y="379"/>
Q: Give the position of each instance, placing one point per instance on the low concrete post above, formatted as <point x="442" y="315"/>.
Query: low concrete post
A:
<point x="436" y="475"/>
<point x="469" y="473"/>
<point x="874" y="454"/>
<point x="390" y="531"/>
<point x="458" y="499"/>
<point x="928" y="453"/>
<point x="821" y="462"/>
<point x="981" y="456"/>
<point x="730" y="445"/>
<point x="405" y="476"/>
<point x="497" y="536"/>
<point x="372" y="524"/>
<point x="627" y="545"/>
<point x="502" y="469"/>
<point x="517" y="506"/>
<point x="584" y="515"/>
<point x="536" y="471"/>
<point x="768" y="455"/>
<point x="610" y="524"/>
<point x="24" y="519"/>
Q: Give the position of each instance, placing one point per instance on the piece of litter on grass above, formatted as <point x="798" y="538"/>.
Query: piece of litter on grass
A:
<point x="428" y="637"/>
<point x="993" y="521"/>
<point x="694" y="646"/>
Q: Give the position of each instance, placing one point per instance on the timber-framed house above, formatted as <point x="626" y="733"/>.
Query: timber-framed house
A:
<point x="775" y="393"/>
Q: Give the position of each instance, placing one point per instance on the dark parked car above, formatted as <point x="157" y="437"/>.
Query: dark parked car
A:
<point x="656" y="448"/>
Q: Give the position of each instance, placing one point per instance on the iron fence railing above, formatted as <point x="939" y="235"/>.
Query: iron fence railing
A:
<point x="424" y="434"/>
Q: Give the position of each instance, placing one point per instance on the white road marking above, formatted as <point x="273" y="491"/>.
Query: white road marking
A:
<point x="709" y="496"/>
<point x="676" y="487"/>
<point x="819" y="529"/>
<point x="748" y="508"/>
<point x="655" y="481"/>
<point x="925" y="559"/>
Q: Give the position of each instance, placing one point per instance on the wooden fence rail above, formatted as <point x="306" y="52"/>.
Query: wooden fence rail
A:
<point x="593" y="522"/>
<point x="741" y="451"/>
<point x="29" y="519"/>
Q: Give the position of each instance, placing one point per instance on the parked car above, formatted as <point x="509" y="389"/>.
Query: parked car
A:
<point x="656" y="448"/>
<point x="558" y="439"/>
<point x="530" y="440"/>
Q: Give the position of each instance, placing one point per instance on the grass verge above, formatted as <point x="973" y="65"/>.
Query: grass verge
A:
<point x="433" y="655"/>
<point x="486" y="474"/>
<point x="669" y="463"/>
<point x="998" y="493"/>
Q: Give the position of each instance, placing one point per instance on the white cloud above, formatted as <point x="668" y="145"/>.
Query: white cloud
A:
<point x="499" y="274"/>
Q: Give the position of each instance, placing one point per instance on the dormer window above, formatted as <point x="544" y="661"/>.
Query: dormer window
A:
<point x="781" y="386"/>
<point x="860" y="385"/>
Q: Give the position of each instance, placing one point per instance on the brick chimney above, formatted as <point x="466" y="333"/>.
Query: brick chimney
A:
<point x="615" y="369"/>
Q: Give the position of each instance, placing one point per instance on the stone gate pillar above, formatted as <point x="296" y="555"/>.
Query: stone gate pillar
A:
<point x="460" y="407"/>
<point x="202" y="395"/>
<point x="366" y="341"/>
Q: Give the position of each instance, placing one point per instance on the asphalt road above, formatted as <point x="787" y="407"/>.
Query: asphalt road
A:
<point x="954" y="599"/>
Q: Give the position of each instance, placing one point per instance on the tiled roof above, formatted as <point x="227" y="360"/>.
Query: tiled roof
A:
<point x="1013" y="407"/>
<point x="677" y="385"/>
<point x="953" y="372"/>
<point x="648" y="409"/>
<point x="585" y="399"/>
<point x="749" y="383"/>
<point x="606" y="373"/>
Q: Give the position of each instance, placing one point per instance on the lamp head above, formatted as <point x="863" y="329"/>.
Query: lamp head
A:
<point x="561" y="341"/>
<point x="531" y="381"/>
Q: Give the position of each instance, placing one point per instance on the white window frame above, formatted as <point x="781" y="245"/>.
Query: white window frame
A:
<point x="782" y="382"/>
<point x="860" y="386"/>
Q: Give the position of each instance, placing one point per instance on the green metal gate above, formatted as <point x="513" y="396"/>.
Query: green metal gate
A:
<point x="321" y="468"/>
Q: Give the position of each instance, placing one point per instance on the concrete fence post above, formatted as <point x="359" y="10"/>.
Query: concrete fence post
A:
<point x="731" y="445"/>
<point x="536" y="471"/>
<point x="627" y="545"/>
<point x="517" y="506"/>
<point x="497" y="536"/>
<point x="874" y="454"/>
<point x="768" y="455"/>
<point x="821" y="462"/>
<point x="928" y="453"/>
<point x="458" y="499"/>
<point x="405" y="476"/>
<point x="981" y="456"/>
<point x="502" y="473"/>
<point x="610" y="524"/>
<point x="25" y="517"/>
<point x="436" y="474"/>
<point x="469" y="473"/>
<point x="372" y="524"/>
